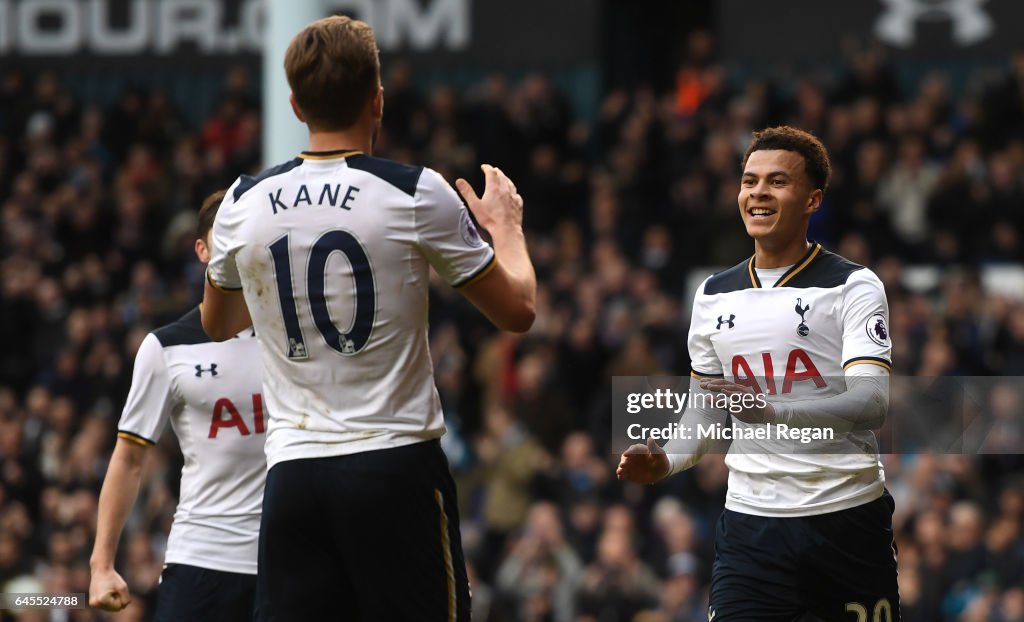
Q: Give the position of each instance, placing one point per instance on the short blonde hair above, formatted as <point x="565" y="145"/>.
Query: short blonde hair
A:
<point x="333" y="68"/>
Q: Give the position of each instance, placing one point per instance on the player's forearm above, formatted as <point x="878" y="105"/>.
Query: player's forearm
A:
<point x="118" y="495"/>
<point x="224" y="313"/>
<point x="863" y="406"/>
<point x="510" y="249"/>
<point x="685" y="452"/>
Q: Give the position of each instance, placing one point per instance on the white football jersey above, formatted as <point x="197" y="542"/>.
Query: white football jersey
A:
<point x="795" y="341"/>
<point x="333" y="252"/>
<point x="211" y="394"/>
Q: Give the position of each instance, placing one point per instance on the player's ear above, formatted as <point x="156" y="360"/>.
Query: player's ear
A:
<point x="295" y="108"/>
<point x="202" y="251"/>
<point x="814" y="201"/>
<point x="377" y="103"/>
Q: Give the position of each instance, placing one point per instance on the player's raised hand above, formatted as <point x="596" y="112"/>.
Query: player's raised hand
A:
<point x="500" y="205"/>
<point x="643" y="464"/>
<point x="108" y="591"/>
<point x="752" y="414"/>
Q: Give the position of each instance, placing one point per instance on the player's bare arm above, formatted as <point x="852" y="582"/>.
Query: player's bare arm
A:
<point x="224" y="313"/>
<point x="507" y="294"/>
<point x="107" y="589"/>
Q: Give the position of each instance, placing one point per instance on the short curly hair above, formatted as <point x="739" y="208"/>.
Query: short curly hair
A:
<point x="787" y="138"/>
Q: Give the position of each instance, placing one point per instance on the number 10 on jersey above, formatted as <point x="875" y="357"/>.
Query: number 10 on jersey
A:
<point x="315" y="272"/>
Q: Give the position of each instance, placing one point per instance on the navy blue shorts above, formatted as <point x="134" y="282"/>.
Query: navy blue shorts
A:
<point x="200" y="594"/>
<point x="368" y="536"/>
<point x="839" y="566"/>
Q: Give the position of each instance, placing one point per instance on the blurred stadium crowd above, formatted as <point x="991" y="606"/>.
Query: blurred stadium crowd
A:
<point x="97" y="207"/>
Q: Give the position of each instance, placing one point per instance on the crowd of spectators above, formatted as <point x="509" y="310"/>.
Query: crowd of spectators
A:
<point x="97" y="209"/>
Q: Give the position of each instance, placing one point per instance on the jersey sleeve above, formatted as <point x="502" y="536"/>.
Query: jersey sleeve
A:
<point x="446" y="234"/>
<point x="150" y="399"/>
<point x="865" y="315"/>
<point x="704" y="360"/>
<point x="222" y="272"/>
<point x="685" y="452"/>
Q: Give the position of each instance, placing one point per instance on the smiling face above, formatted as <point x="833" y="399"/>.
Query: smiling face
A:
<point x="776" y="199"/>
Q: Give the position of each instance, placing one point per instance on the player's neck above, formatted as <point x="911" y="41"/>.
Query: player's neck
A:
<point x="767" y="256"/>
<point x="354" y="138"/>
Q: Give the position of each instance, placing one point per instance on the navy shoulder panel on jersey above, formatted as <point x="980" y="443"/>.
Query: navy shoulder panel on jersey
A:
<point x="185" y="331"/>
<point x="401" y="176"/>
<point x="817" y="269"/>
<point x="827" y="270"/>
<point x="733" y="279"/>
<point x="248" y="181"/>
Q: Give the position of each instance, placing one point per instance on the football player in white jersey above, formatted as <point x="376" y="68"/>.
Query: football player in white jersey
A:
<point x="801" y="335"/>
<point x="211" y="394"/>
<point x="330" y="255"/>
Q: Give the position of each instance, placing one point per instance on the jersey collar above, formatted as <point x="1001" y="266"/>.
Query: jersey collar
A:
<point x="805" y="261"/>
<point x="329" y="155"/>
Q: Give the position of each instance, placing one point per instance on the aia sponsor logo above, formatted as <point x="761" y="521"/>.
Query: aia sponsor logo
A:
<point x="226" y="415"/>
<point x="799" y="368"/>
